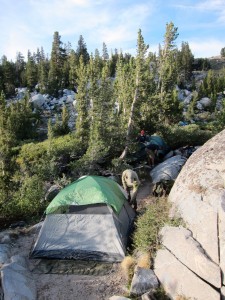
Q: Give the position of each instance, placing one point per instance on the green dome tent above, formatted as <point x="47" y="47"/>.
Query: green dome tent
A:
<point x="88" y="190"/>
<point x="90" y="219"/>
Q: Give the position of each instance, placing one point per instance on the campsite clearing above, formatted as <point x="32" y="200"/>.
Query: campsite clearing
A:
<point x="76" y="286"/>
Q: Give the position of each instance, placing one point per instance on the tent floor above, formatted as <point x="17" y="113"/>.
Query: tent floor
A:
<point x="76" y="267"/>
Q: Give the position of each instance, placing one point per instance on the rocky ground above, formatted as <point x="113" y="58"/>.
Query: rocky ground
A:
<point x="88" y="284"/>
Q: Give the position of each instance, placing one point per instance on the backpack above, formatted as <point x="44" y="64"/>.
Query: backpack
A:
<point x="162" y="188"/>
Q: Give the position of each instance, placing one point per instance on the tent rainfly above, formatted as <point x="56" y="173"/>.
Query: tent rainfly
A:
<point x="90" y="219"/>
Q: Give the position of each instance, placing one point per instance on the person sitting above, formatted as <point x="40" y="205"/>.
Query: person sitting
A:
<point x="151" y="151"/>
<point x="131" y="184"/>
<point x="142" y="138"/>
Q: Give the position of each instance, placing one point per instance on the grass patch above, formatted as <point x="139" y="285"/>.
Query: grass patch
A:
<point x="149" y="223"/>
<point x="127" y="267"/>
<point x="144" y="260"/>
<point x="145" y="237"/>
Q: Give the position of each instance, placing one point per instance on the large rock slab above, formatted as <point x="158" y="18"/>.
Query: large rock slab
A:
<point x="198" y="193"/>
<point x="178" y="280"/>
<point x="180" y="243"/>
<point x="221" y="227"/>
<point x="201" y="219"/>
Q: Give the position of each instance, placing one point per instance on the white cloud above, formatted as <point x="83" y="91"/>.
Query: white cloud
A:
<point x="23" y="43"/>
<point x="203" y="5"/>
<point x="206" y="48"/>
<point x="124" y="25"/>
<point x="214" y="6"/>
<point x="210" y="5"/>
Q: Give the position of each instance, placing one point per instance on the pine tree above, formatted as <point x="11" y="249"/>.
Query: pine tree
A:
<point x="8" y="72"/>
<point x="138" y="89"/>
<point x="113" y="62"/>
<point x="101" y="112"/>
<point x="6" y="144"/>
<point x="55" y="76"/>
<point x="123" y="93"/>
<point x="31" y="71"/>
<point x="105" y="55"/>
<point x="19" y="69"/>
<point x="148" y="117"/>
<point x="21" y="122"/>
<point x="98" y="61"/>
<point x="167" y="70"/>
<point x="43" y="70"/>
<point x="185" y="60"/>
<point x="73" y="65"/>
<point x="50" y="136"/>
<point x="192" y="107"/>
<point x="82" y="104"/>
<point x="222" y="52"/>
<point x="65" y="120"/>
<point x="82" y="50"/>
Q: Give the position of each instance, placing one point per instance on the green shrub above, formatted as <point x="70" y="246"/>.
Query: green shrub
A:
<point x="177" y="136"/>
<point x="27" y="202"/>
<point x="45" y="158"/>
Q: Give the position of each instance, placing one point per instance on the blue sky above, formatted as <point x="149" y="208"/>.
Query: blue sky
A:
<point x="29" y="24"/>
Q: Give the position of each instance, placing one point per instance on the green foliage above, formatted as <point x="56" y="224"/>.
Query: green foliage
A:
<point x="192" y="107"/>
<point x="83" y="167"/>
<point x="21" y="121"/>
<point x="8" y="77"/>
<point x="60" y="127"/>
<point x="148" y="225"/>
<point x="201" y="64"/>
<point x="180" y="136"/>
<point x="222" y="52"/>
<point x="31" y="72"/>
<point x="27" y="202"/>
<point x="185" y="61"/>
<point x="168" y="74"/>
<point x="172" y="108"/>
<point x="22" y="194"/>
<point x="58" y="56"/>
<point x="83" y="102"/>
<point x="35" y="158"/>
<point x="82" y="50"/>
<point x="220" y="123"/>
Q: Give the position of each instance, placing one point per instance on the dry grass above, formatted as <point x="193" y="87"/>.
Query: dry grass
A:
<point x="144" y="260"/>
<point x="127" y="267"/>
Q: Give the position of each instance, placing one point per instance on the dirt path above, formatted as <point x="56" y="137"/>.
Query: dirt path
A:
<point x="79" y="287"/>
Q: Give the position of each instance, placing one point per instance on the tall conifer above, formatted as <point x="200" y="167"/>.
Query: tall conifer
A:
<point x="139" y="71"/>
<point x="82" y="103"/>
<point x="58" y="56"/>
